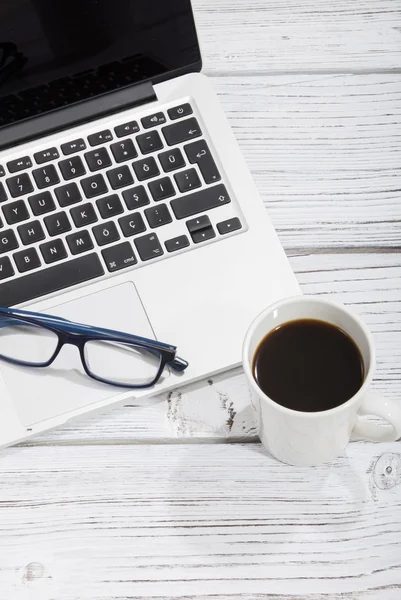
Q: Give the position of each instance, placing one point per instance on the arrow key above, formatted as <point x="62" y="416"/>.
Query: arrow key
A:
<point x="229" y="225"/>
<point x="203" y="234"/>
<point x="199" y="223"/>
<point x="177" y="243"/>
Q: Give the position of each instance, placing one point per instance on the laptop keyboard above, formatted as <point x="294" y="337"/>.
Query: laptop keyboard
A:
<point x="108" y="202"/>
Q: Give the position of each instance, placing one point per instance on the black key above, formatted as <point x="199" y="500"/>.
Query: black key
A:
<point x="180" y="111"/>
<point x="177" y="243"/>
<point x="41" y="203"/>
<point x="26" y="260"/>
<point x="136" y="197"/>
<point x="100" y="138"/>
<point x="98" y="159"/>
<point x="132" y="224"/>
<point x="72" y="167"/>
<point x="149" y="142"/>
<point x="203" y="234"/>
<point x="31" y="232"/>
<point x="57" y="223"/>
<point x="146" y="168"/>
<point x="2" y="171"/>
<point x="229" y="225"/>
<point x="162" y="188"/>
<point x="83" y="215"/>
<point x="6" y="268"/>
<point x="19" y="164"/>
<point x="20" y="185"/>
<point x="120" y="177"/>
<point x="126" y="129"/>
<point x="182" y="131"/>
<point x="79" y="242"/>
<point x="73" y="147"/>
<point x="153" y="120"/>
<point x="68" y="194"/>
<point x="106" y="233"/>
<point x="15" y="212"/>
<point x="199" y="153"/>
<point x="53" y="251"/>
<point x="46" y="155"/>
<point x="119" y="257"/>
<point x="198" y="223"/>
<point x="53" y="279"/>
<point x="198" y="202"/>
<point x="46" y="176"/>
<point x="8" y="241"/>
<point x="172" y="160"/>
<point x="158" y="215"/>
<point x="123" y="151"/>
<point x="187" y="180"/>
<point x="148" y="247"/>
<point x="3" y="195"/>
<point x="110" y="206"/>
<point x="94" y="186"/>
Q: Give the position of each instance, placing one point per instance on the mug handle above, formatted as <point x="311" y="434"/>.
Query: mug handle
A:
<point x="377" y="406"/>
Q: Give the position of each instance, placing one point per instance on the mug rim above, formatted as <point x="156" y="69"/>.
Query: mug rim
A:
<point x="304" y="299"/>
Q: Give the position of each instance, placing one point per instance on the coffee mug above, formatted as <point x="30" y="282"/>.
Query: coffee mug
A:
<point x="312" y="438"/>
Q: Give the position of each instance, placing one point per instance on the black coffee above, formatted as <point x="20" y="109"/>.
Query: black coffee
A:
<point x="308" y="365"/>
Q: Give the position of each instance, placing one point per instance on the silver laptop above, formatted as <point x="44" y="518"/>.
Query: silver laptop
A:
<point x="124" y="199"/>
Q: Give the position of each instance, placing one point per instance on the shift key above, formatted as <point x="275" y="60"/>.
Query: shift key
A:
<point x="192" y="204"/>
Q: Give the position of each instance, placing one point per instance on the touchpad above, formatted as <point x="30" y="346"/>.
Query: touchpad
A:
<point x="40" y="394"/>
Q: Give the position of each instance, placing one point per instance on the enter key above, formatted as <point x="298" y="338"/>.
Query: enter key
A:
<point x="199" y="153"/>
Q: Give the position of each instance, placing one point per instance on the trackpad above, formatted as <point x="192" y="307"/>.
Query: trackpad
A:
<point x="40" y="394"/>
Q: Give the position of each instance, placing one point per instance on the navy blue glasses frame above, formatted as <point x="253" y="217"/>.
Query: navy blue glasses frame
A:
<point x="77" y="334"/>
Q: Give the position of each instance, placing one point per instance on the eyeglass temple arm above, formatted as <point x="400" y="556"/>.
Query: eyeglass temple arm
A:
<point x="178" y="364"/>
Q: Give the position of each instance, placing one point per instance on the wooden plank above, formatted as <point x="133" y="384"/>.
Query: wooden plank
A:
<point x="182" y="522"/>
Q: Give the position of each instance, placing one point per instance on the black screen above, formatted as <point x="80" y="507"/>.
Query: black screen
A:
<point x="54" y="53"/>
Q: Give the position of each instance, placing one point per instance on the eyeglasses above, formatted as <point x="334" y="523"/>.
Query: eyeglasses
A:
<point x="34" y="340"/>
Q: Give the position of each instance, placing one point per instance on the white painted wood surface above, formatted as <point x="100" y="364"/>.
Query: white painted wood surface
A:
<point x="144" y="502"/>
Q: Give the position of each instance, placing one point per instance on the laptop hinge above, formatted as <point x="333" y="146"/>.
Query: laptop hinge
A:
<point x="76" y="114"/>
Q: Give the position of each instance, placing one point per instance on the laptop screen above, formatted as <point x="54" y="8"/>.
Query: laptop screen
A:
<point x="56" y="52"/>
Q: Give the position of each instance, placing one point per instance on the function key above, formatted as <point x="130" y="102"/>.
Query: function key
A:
<point x="123" y="151"/>
<point x="46" y="155"/>
<point x="72" y="147"/>
<point x="6" y="269"/>
<point x="153" y="120"/>
<point x="3" y="195"/>
<point x="182" y="131"/>
<point x="19" y="164"/>
<point x="229" y="225"/>
<point x="126" y="129"/>
<point x="119" y="257"/>
<point x="180" y="111"/>
<point x="100" y="138"/>
<point x="177" y="243"/>
<point x="2" y="171"/>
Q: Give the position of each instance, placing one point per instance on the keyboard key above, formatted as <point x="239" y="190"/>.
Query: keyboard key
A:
<point x="119" y="257"/>
<point x="31" y="232"/>
<point x="73" y="147"/>
<point x="53" y="279"/>
<point x="106" y="233"/>
<point x="146" y="168"/>
<point x="8" y="241"/>
<point x="68" y="194"/>
<point x="41" y="203"/>
<point x="177" y="243"/>
<point x="98" y="159"/>
<point x="201" y="201"/>
<point x="72" y="167"/>
<point x="3" y="194"/>
<point x="53" y="251"/>
<point x="203" y="235"/>
<point x="26" y="260"/>
<point x="132" y="224"/>
<point x="136" y="197"/>
<point x="20" y="164"/>
<point x="172" y="160"/>
<point x="148" y="247"/>
<point x="126" y="129"/>
<point x="57" y="223"/>
<point x="187" y="180"/>
<point x="15" y="212"/>
<point x="229" y="225"/>
<point x="6" y="268"/>
<point x="83" y="215"/>
<point x="198" y="223"/>
<point x="95" y="139"/>
<point x="94" y="186"/>
<point x="158" y="215"/>
<point x="149" y="142"/>
<point x="120" y="177"/>
<point x="2" y="171"/>
<point x="162" y="188"/>
<point x="79" y="242"/>
<point x="199" y="153"/>
<point x="182" y="131"/>
<point x="110" y="206"/>
<point x="20" y="185"/>
<point x="180" y="111"/>
<point x="46" y="155"/>
<point x="123" y="151"/>
<point x="46" y="176"/>
<point x="153" y="120"/>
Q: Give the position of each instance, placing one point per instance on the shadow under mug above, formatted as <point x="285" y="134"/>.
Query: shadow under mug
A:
<point x="312" y="438"/>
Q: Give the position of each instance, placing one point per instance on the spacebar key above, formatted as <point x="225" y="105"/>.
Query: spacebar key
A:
<point x="50" y="280"/>
<point x="192" y="204"/>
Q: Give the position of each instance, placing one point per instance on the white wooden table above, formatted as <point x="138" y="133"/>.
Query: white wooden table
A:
<point x="139" y="503"/>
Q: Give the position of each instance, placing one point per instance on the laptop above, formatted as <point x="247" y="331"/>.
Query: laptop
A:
<point x="124" y="199"/>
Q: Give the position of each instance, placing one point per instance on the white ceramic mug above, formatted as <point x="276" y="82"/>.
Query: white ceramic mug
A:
<point x="311" y="438"/>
